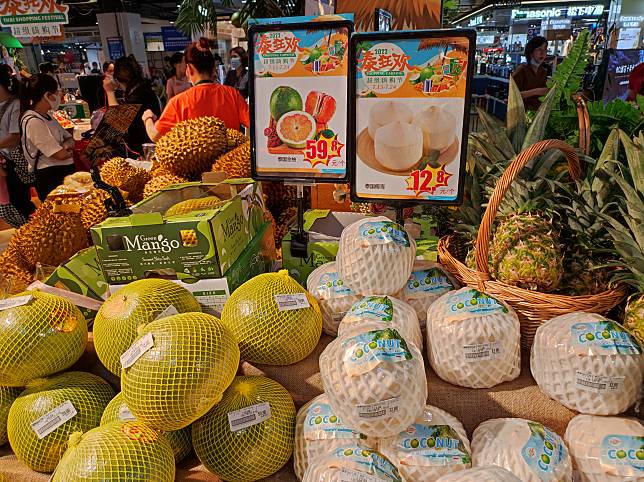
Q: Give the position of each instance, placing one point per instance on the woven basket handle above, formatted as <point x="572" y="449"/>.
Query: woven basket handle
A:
<point x="510" y="174"/>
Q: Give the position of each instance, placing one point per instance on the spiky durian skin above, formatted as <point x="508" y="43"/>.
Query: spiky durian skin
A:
<point x="235" y="138"/>
<point x="16" y="273"/>
<point x="279" y="197"/>
<point x="634" y="317"/>
<point x="189" y="149"/>
<point x="129" y="179"/>
<point x="190" y="205"/>
<point x="157" y="183"/>
<point x="525" y="252"/>
<point x="236" y="163"/>
<point x="53" y="234"/>
<point x="93" y="210"/>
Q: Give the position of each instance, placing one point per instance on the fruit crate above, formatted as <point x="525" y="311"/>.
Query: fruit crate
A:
<point x="533" y="307"/>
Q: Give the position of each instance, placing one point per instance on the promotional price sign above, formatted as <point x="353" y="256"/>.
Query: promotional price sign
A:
<point x="298" y="100"/>
<point x="33" y="18"/>
<point x="410" y="105"/>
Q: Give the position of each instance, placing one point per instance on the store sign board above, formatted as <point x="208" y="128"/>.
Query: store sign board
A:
<point x="37" y="30"/>
<point x="115" y="47"/>
<point x="410" y="114"/>
<point x="299" y="99"/>
<point x="22" y="12"/>
<point x="555" y="12"/>
<point x="173" y="40"/>
<point x="476" y="21"/>
<point x="620" y="65"/>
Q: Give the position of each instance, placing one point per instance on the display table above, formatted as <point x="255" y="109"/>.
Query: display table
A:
<point x="519" y="398"/>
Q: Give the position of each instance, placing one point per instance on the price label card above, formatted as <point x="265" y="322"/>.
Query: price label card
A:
<point x="125" y="414"/>
<point x="169" y="311"/>
<point x="249" y="416"/>
<point x="298" y="100"/>
<point x="137" y="350"/>
<point x="295" y="301"/>
<point x="410" y="98"/>
<point x="15" y="301"/>
<point x="53" y="419"/>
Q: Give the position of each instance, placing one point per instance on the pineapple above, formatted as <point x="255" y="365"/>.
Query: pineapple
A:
<point x="627" y="231"/>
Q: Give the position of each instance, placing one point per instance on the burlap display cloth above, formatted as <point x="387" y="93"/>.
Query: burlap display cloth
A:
<point x="519" y="398"/>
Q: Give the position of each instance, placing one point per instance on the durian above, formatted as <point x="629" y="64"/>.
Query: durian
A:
<point x="386" y="112"/>
<point x="15" y="273"/>
<point x="129" y="179"/>
<point x="79" y="180"/>
<point x="236" y="163"/>
<point x="190" y="205"/>
<point x="160" y="182"/>
<point x="189" y="148"/>
<point x="398" y="145"/>
<point x="93" y="210"/>
<point x="279" y="197"/>
<point x="235" y="138"/>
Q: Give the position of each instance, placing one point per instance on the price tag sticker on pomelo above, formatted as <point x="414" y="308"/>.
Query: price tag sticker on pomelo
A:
<point x="125" y="415"/>
<point x="249" y="416"/>
<point x="15" y="301"/>
<point x="53" y="419"/>
<point x="294" y="301"/>
<point x="169" y="311"/>
<point x="137" y="350"/>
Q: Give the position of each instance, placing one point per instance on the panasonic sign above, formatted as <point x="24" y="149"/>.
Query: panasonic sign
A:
<point x="556" y="12"/>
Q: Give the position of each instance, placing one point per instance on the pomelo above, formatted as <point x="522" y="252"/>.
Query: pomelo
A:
<point x="138" y="303"/>
<point x="57" y="397"/>
<point x="117" y="451"/>
<point x="295" y="128"/>
<point x="284" y="99"/>
<point x="46" y="335"/>
<point x="7" y="396"/>
<point x="118" y="411"/>
<point x="193" y="359"/>
<point x="275" y="320"/>
<point x="249" y="434"/>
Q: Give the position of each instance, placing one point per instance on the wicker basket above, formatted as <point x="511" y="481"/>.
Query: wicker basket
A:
<point x="533" y="307"/>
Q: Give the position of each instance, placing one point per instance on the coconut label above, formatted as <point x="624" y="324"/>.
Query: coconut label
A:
<point x="603" y="338"/>
<point x="543" y="451"/>
<point x="428" y="282"/>
<point x="623" y="455"/>
<point x="431" y="446"/>
<point x="323" y="423"/>
<point x="372" y="465"/>
<point x="249" y="416"/>
<point x="467" y="303"/>
<point x="410" y="100"/>
<point x="364" y="352"/>
<point x="383" y="232"/>
<point x="299" y="100"/>
<point x="331" y="286"/>
<point x="378" y="308"/>
<point x="53" y="419"/>
<point x="596" y="383"/>
<point x="481" y="352"/>
<point x="379" y="410"/>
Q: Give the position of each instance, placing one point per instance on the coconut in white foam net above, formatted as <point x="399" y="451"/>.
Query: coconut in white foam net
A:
<point x="333" y="295"/>
<point x="588" y="363"/>
<point x="383" y="312"/>
<point x="352" y="463"/>
<point x="473" y="339"/>
<point x="428" y="282"/>
<point x="436" y="444"/>
<point x="529" y="450"/>
<point x="319" y="431"/>
<point x="375" y="381"/>
<point x="375" y="255"/>
<point x="491" y="473"/>
<point x="606" y="449"/>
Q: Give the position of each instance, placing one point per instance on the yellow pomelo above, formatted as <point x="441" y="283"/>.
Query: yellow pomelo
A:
<point x="268" y="331"/>
<point x="117" y="451"/>
<point x="7" y="396"/>
<point x="44" y="336"/>
<point x="88" y="394"/>
<point x="118" y="411"/>
<point x="176" y="381"/>
<point x="255" y="451"/>
<point x="139" y="303"/>
<point x="190" y="205"/>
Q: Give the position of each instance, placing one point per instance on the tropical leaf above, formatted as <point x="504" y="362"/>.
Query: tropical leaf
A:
<point x="538" y="125"/>
<point x="515" y="118"/>
<point x="568" y="77"/>
<point x="495" y="131"/>
<point x="196" y="17"/>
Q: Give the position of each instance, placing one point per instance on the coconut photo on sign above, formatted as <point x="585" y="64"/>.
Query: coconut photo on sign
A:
<point x="299" y="100"/>
<point x="410" y="114"/>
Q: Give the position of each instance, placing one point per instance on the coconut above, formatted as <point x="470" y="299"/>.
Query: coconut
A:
<point x="490" y="473"/>
<point x="398" y="146"/>
<point x="386" y="112"/>
<point x="354" y="463"/>
<point x="437" y="125"/>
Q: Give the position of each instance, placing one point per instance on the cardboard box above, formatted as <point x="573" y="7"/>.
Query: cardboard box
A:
<point x="197" y="245"/>
<point x="84" y="265"/>
<point x="63" y="279"/>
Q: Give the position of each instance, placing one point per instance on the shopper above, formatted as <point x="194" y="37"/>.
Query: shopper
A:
<point x="137" y="90"/>
<point x="178" y="82"/>
<point x="206" y="98"/>
<point x="237" y="76"/>
<point x="47" y="147"/>
<point x="532" y="76"/>
<point x="95" y="70"/>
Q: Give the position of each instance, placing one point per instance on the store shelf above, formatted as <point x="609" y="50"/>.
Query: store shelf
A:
<point x="489" y="97"/>
<point x="491" y="77"/>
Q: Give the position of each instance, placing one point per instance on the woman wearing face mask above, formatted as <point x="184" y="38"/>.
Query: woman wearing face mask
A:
<point x="137" y="90"/>
<point x="237" y="76"/>
<point x="531" y="77"/>
<point x="179" y="81"/>
<point x="45" y="144"/>
<point x="206" y="98"/>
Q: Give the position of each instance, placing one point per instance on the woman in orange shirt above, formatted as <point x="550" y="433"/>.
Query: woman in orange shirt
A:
<point x="206" y="98"/>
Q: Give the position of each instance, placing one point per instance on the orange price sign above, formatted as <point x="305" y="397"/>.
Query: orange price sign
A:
<point x="427" y="180"/>
<point x="322" y="150"/>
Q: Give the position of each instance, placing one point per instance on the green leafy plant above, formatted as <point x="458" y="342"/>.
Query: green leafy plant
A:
<point x="568" y="77"/>
<point x="197" y="17"/>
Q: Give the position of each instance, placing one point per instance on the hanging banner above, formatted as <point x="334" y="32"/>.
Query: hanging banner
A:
<point x="410" y="104"/>
<point x="33" y="18"/>
<point x="298" y="100"/>
<point x="37" y="30"/>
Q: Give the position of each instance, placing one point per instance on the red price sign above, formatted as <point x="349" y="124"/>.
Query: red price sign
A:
<point x="322" y="150"/>
<point x="427" y="180"/>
